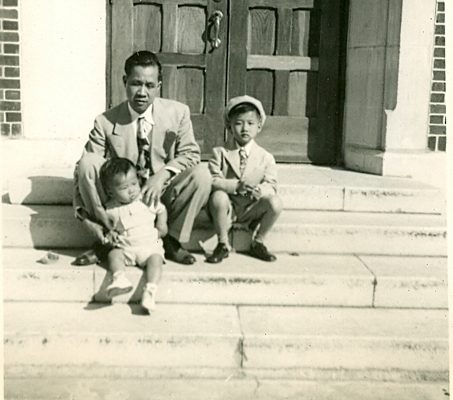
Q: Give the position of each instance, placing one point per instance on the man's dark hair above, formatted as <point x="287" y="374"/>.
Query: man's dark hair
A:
<point x="241" y="109"/>
<point x="143" y="58"/>
<point x="113" y="167"/>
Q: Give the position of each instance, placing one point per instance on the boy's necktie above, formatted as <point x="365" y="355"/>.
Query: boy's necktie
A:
<point x="242" y="160"/>
<point x="144" y="155"/>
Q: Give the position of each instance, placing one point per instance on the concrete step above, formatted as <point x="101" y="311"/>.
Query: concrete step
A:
<point x="308" y="280"/>
<point x="54" y="337"/>
<point x="295" y="231"/>
<point x="301" y="187"/>
<point x="243" y="388"/>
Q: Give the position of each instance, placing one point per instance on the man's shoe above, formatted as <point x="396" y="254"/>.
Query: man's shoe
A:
<point x="181" y="256"/>
<point x="174" y="252"/>
<point x="87" y="258"/>
<point x="260" y="251"/>
<point x="95" y="255"/>
<point x="119" y="285"/>
<point x="220" y="252"/>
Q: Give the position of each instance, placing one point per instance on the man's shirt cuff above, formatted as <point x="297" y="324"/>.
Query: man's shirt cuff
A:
<point x="175" y="171"/>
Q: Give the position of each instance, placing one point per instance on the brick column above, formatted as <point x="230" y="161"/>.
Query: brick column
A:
<point x="10" y="107"/>
<point x="437" y="139"/>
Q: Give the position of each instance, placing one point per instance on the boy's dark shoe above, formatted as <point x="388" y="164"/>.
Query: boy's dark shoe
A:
<point x="260" y="251"/>
<point x="220" y="252"/>
<point x="174" y="252"/>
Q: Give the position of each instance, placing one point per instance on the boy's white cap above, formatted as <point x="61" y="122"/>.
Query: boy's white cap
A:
<point x="244" y="99"/>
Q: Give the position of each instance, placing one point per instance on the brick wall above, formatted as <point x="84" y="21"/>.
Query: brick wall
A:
<point x="10" y="107"/>
<point x="437" y="113"/>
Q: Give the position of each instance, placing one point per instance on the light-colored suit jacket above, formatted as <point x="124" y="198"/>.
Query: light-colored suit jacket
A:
<point x="260" y="171"/>
<point x="172" y="139"/>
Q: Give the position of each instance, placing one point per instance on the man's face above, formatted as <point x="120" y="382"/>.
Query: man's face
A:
<point x="245" y="127"/>
<point x="142" y="85"/>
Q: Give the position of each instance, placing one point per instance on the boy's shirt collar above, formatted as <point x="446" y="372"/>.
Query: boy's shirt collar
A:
<point x="148" y="114"/>
<point x="247" y="147"/>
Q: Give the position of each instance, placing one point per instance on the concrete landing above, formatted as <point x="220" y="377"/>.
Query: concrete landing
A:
<point x="217" y="389"/>
<point x="301" y="187"/>
<point x="62" y="335"/>
<point x="296" y="231"/>
<point x="304" y="280"/>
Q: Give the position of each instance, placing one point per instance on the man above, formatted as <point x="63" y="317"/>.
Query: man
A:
<point x="155" y="134"/>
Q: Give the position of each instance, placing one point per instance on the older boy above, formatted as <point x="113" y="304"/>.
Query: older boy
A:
<point x="244" y="186"/>
<point x="156" y="135"/>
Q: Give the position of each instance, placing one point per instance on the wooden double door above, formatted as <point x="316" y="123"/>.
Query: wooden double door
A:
<point x="283" y="52"/>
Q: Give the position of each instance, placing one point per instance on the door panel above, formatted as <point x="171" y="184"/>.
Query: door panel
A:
<point x="280" y="64"/>
<point x="178" y="31"/>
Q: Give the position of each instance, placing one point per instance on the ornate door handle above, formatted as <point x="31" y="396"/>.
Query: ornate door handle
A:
<point x="214" y="21"/>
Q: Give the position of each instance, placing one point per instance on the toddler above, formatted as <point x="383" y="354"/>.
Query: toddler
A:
<point x="137" y="233"/>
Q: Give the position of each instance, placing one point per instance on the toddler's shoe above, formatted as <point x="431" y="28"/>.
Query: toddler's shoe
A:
<point x="149" y="297"/>
<point x="119" y="285"/>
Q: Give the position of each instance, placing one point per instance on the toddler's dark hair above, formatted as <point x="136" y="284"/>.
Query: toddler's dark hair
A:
<point x="143" y="58"/>
<point x="241" y="109"/>
<point x="113" y="167"/>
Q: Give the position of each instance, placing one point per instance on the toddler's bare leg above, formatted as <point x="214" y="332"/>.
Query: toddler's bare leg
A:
<point x="116" y="261"/>
<point x="154" y="269"/>
<point x="120" y="284"/>
<point x="153" y="274"/>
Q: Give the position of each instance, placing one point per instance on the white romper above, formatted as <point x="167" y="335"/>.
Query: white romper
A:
<point x="138" y="235"/>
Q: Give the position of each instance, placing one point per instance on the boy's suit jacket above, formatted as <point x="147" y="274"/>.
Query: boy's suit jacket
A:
<point x="172" y="140"/>
<point x="260" y="171"/>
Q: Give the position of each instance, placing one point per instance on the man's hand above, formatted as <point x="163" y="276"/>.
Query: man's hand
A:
<point x="152" y="189"/>
<point x="95" y="229"/>
<point x="112" y="237"/>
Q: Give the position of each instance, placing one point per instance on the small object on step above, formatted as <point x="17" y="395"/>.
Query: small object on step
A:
<point x="49" y="258"/>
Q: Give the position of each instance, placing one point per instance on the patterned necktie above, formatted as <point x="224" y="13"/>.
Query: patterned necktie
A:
<point x="242" y="160"/>
<point x="144" y="156"/>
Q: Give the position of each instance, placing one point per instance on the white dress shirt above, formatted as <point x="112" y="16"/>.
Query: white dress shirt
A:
<point x="148" y="125"/>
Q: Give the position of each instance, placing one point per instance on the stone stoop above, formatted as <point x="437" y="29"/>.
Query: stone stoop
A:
<point x="325" y="210"/>
<point x="355" y="306"/>
<point x="51" y="339"/>
<point x="314" y="317"/>
<point x="302" y="187"/>
<point x="243" y="388"/>
<point x="304" y="280"/>
<point x="44" y="226"/>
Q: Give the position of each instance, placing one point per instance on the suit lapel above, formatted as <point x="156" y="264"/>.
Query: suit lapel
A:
<point x="124" y="136"/>
<point x="157" y="135"/>
<point x="232" y="157"/>
<point x="123" y="125"/>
